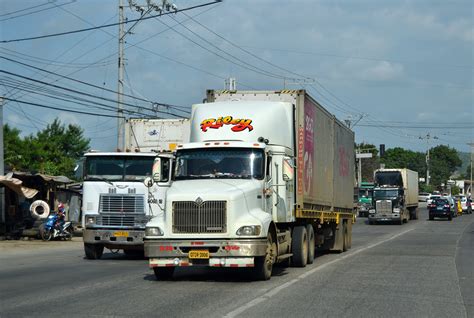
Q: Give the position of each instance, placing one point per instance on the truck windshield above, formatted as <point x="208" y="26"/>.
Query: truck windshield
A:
<point x="227" y="163"/>
<point x="384" y="194"/>
<point x="117" y="168"/>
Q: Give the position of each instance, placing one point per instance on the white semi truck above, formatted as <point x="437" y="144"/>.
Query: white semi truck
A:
<point x="395" y="196"/>
<point x="116" y="204"/>
<point x="267" y="177"/>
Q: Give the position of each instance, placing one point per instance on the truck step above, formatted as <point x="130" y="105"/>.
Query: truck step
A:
<point x="284" y="256"/>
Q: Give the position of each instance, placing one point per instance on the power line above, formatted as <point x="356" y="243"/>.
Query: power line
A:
<point x="241" y="63"/>
<point x="87" y="84"/>
<point x="25" y="9"/>
<point x="33" y="12"/>
<point x="107" y="25"/>
<point x="246" y="51"/>
<point x="58" y="108"/>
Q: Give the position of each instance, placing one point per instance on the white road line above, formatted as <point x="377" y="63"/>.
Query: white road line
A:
<point x="276" y="290"/>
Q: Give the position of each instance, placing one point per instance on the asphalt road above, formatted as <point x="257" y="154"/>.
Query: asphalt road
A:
<point x="420" y="269"/>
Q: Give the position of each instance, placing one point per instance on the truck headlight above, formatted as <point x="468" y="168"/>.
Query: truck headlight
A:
<point x="153" y="231"/>
<point x="249" y="230"/>
<point x="396" y="210"/>
<point x="372" y="211"/>
<point x="90" y="220"/>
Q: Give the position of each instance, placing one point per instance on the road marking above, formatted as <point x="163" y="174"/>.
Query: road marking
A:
<point x="276" y="290"/>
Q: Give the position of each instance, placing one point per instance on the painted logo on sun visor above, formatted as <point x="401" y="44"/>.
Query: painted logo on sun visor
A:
<point x="238" y="124"/>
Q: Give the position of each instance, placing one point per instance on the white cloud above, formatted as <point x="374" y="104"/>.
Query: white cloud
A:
<point x="382" y="71"/>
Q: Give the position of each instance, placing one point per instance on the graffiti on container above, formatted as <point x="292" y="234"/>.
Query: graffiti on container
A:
<point x="238" y="124"/>
<point x="343" y="162"/>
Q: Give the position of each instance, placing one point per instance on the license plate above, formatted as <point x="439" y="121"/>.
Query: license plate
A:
<point x="439" y="209"/>
<point x="121" y="234"/>
<point x="199" y="254"/>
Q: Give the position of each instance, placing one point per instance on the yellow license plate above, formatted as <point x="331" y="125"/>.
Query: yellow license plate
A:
<point x="200" y="254"/>
<point x="121" y="234"/>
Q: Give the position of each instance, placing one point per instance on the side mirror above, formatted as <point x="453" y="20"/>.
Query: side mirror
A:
<point x="148" y="182"/>
<point x="156" y="172"/>
<point x="287" y="170"/>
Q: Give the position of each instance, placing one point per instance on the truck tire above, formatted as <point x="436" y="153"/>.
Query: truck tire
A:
<point x="264" y="264"/>
<point x="299" y="246"/>
<point x="311" y="243"/>
<point x="345" y="243"/>
<point x="93" y="251"/>
<point x="163" y="273"/>
<point x="39" y="209"/>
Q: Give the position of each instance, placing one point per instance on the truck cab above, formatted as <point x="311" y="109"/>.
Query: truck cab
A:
<point x="116" y="202"/>
<point x="395" y="196"/>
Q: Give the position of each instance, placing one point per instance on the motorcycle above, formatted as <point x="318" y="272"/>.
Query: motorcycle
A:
<point x="52" y="229"/>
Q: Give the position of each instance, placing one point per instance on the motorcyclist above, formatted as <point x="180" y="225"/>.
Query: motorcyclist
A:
<point x="61" y="217"/>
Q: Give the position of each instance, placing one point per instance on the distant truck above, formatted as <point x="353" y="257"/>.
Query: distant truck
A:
<point x="365" y="198"/>
<point x="267" y="177"/>
<point x="146" y="134"/>
<point x="395" y="196"/>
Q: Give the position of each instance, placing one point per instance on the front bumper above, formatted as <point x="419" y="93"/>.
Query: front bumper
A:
<point x="222" y="253"/>
<point x="114" y="237"/>
<point x="384" y="217"/>
<point x="440" y="214"/>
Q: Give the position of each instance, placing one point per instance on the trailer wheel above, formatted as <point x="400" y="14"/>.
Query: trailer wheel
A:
<point x="93" y="251"/>
<point x="345" y="236"/>
<point x="39" y="209"/>
<point x="264" y="264"/>
<point x="299" y="246"/>
<point x="163" y="273"/>
<point x="311" y="243"/>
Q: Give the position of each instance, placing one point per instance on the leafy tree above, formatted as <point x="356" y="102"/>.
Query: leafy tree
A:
<point x="369" y="164"/>
<point x="13" y="148"/>
<point x="54" y="150"/>
<point x="402" y="158"/>
<point x="467" y="175"/>
<point x="443" y="162"/>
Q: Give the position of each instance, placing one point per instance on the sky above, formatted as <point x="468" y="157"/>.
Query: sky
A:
<point x="401" y="72"/>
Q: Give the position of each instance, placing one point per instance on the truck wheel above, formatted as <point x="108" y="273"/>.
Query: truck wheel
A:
<point x="264" y="264"/>
<point x="345" y="243"/>
<point x="311" y="243"/>
<point x="93" y="251"/>
<point x="163" y="273"/>
<point x="431" y="218"/>
<point x="299" y="246"/>
<point x="450" y="218"/>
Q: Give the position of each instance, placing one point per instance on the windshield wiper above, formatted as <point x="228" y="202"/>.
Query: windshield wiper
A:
<point x="100" y="179"/>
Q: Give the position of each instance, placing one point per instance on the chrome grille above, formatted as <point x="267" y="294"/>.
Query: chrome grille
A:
<point x="383" y="206"/>
<point x="108" y="220"/>
<point x="206" y="217"/>
<point x="121" y="203"/>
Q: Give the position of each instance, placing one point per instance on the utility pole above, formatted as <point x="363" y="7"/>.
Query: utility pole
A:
<point x="2" y="168"/>
<point x="121" y="64"/>
<point x="428" y="137"/>
<point x="470" y="184"/>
